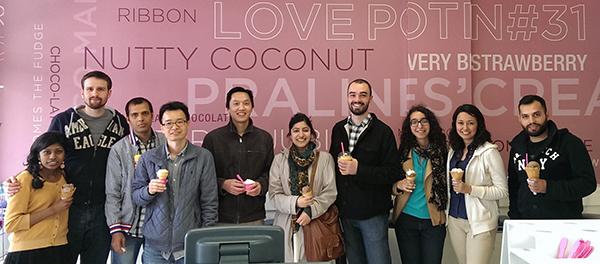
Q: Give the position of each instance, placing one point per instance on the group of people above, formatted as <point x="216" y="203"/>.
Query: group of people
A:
<point x="121" y="204"/>
<point x="466" y="206"/>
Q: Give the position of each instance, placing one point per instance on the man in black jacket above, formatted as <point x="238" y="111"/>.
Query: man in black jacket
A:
<point x="241" y="149"/>
<point x="566" y="171"/>
<point x="365" y="183"/>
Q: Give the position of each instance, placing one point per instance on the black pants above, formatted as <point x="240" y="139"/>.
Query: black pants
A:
<point x="419" y="241"/>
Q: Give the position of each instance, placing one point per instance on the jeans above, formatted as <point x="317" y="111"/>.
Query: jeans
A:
<point x="153" y="256"/>
<point x="367" y="240"/>
<point x="133" y="245"/>
<point x="88" y="234"/>
<point x="419" y="241"/>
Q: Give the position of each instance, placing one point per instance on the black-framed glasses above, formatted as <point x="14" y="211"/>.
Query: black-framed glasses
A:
<point x="179" y="123"/>
<point x="423" y="122"/>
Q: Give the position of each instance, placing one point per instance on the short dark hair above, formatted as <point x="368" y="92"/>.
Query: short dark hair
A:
<point x="529" y="99"/>
<point x="33" y="160"/>
<point x="300" y="117"/>
<point x="99" y="75"/>
<point x="238" y="89"/>
<point x="137" y="101"/>
<point x="481" y="136"/>
<point x="172" y="106"/>
<point x="361" y="81"/>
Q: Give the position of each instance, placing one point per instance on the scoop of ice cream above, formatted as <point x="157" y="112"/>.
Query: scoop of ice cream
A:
<point x="67" y="191"/>
<point x="533" y="169"/>
<point x="248" y="182"/>
<point x="533" y="164"/>
<point x="162" y="174"/>
<point x="457" y="174"/>
<point x="306" y="191"/>
<point x="411" y="175"/>
<point x="136" y="158"/>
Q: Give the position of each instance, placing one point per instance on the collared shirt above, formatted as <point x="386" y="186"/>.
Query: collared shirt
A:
<point x="174" y="168"/>
<point x="136" y="228"/>
<point x="356" y="130"/>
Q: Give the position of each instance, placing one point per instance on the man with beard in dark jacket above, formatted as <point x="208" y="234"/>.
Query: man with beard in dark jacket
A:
<point x="566" y="172"/>
<point x="365" y="183"/>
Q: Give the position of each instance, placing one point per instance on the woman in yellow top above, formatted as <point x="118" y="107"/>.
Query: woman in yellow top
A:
<point x="36" y="216"/>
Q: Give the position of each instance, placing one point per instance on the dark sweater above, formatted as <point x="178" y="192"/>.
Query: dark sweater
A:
<point x="565" y="165"/>
<point x="249" y="155"/>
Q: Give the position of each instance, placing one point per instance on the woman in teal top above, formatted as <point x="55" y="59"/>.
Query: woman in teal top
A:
<point x="419" y="211"/>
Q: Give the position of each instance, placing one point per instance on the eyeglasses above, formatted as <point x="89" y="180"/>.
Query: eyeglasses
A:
<point x="170" y="124"/>
<point x="415" y="122"/>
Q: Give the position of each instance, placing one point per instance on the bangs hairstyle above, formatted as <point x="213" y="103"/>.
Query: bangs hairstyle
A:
<point x="300" y="117"/>
<point x="482" y="135"/>
<point x="436" y="136"/>
<point x="32" y="165"/>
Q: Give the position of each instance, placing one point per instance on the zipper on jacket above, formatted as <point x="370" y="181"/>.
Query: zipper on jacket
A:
<point x="240" y="152"/>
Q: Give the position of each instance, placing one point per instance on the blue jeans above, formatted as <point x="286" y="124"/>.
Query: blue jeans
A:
<point x="367" y="240"/>
<point x="88" y="234"/>
<point x="419" y="241"/>
<point x="153" y="256"/>
<point x="133" y="245"/>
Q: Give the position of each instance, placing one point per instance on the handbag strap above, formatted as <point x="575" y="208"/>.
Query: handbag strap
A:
<point x="314" y="171"/>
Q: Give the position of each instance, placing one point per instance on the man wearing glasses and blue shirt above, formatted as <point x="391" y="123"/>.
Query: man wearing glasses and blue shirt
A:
<point x="187" y="199"/>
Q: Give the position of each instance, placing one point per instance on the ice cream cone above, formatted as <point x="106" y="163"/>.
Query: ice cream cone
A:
<point x="306" y="191"/>
<point x="533" y="170"/>
<point x="457" y="174"/>
<point x="411" y="175"/>
<point x="163" y="175"/>
<point x="67" y="191"/>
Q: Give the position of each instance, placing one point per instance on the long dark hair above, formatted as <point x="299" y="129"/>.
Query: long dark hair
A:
<point x="436" y="136"/>
<point x="481" y="136"/>
<point x="33" y="160"/>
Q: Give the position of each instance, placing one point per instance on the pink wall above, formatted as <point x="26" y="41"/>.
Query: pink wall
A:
<point x="299" y="56"/>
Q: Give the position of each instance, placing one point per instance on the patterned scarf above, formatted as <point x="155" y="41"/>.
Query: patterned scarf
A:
<point x="437" y="157"/>
<point x="298" y="163"/>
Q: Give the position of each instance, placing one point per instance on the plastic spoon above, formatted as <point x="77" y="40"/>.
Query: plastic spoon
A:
<point x="587" y="254"/>
<point x="585" y="249"/>
<point x="562" y="247"/>
<point x="239" y="177"/>
<point x="576" y="248"/>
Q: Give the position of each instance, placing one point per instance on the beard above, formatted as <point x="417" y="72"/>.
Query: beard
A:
<point x="359" y="110"/>
<point x="543" y="127"/>
<point x="95" y="105"/>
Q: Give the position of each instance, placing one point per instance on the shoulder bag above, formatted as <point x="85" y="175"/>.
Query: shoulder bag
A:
<point x="323" y="239"/>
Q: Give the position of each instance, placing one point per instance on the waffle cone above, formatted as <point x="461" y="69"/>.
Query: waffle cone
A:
<point x="457" y="175"/>
<point x="533" y="170"/>
<point x="67" y="191"/>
